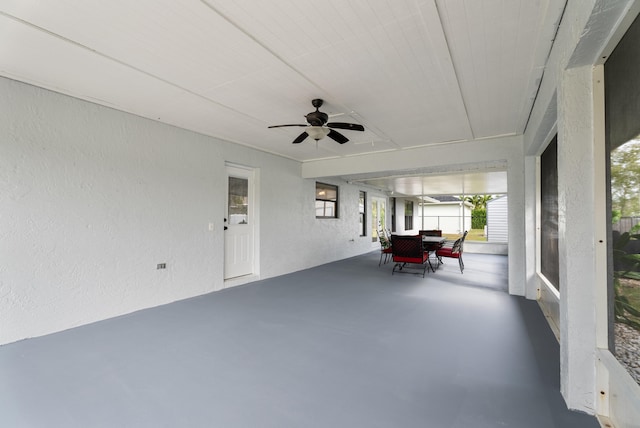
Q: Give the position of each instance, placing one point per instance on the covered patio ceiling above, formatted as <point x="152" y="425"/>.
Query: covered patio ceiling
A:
<point x="413" y="73"/>
<point x="455" y="184"/>
<point x="487" y="178"/>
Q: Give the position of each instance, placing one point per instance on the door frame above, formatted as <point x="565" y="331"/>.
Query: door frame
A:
<point x="252" y="174"/>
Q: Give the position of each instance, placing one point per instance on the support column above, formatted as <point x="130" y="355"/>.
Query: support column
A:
<point x="516" y="207"/>
<point x="576" y="245"/>
<point x="531" y="226"/>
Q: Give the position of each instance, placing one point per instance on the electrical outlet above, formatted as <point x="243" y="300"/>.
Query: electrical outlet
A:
<point x="161" y="266"/>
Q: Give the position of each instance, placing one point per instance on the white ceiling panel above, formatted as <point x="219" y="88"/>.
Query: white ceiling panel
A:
<point x="499" y="48"/>
<point x="185" y="43"/>
<point x="412" y="72"/>
<point x="454" y="184"/>
<point x="44" y="61"/>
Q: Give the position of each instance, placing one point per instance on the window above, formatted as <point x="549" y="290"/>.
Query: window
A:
<point x="362" y="211"/>
<point x="326" y="201"/>
<point x="393" y="215"/>
<point x="625" y="260"/>
<point x="238" y="212"/>
<point x="549" y="255"/>
<point x="378" y="222"/>
<point x="408" y="215"/>
<point x="622" y="91"/>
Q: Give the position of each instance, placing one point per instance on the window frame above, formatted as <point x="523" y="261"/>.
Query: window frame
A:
<point x="362" y="212"/>
<point x="408" y="219"/>
<point x="327" y="202"/>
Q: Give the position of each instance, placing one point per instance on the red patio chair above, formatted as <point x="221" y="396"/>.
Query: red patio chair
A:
<point x="408" y="250"/>
<point x="454" y="252"/>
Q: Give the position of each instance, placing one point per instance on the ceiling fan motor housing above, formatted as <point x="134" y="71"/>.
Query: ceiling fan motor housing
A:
<point x="317" y="118"/>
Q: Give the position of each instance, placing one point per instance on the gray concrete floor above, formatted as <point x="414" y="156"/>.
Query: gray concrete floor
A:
<point x="341" y="345"/>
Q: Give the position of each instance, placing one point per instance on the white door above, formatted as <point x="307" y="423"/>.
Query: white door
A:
<point x="239" y="223"/>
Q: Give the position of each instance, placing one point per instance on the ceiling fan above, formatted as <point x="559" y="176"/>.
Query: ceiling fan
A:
<point x="318" y="128"/>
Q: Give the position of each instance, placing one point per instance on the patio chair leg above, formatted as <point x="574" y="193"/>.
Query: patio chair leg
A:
<point x="461" y="263"/>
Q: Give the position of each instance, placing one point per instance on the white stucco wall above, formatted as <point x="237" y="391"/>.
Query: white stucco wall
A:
<point x="93" y="199"/>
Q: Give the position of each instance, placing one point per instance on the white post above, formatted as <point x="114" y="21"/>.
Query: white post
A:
<point x="576" y="245"/>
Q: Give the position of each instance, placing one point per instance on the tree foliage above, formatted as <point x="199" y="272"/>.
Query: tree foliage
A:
<point x="478" y="201"/>
<point x="478" y="218"/>
<point x="625" y="179"/>
<point x="626" y="266"/>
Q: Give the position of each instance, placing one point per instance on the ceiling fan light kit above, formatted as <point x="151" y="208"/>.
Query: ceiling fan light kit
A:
<point x="318" y="128"/>
<point x="317" y="132"/>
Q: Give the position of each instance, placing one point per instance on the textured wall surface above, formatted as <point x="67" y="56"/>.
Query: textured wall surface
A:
<point x="93" y="199"/>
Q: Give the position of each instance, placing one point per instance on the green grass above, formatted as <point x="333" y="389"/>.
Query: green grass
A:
<point x="473" y="235"/>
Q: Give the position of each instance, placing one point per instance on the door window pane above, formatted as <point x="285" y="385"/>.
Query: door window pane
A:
<point x="375" y="224"/>
<point x="238" y="200"/>
<point x="378" y="222"/>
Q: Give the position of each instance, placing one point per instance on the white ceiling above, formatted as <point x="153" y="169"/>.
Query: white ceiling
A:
<point x="454" y="184"/>
<point x="413" y="72"/>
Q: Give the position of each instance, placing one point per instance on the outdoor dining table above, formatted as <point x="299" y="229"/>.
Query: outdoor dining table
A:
<point x="431" y="244"/>
<point x="433" y="239"/>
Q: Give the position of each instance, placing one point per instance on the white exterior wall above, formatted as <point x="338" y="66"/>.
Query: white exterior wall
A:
<point x="449" y="217"/>
<point x="93" y="199"/>
<point x="498" y="220"/>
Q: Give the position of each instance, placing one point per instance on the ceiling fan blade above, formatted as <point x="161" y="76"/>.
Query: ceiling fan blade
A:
<point x="300" y="138"/>
<point x="337" y="136"/>
<point x="349" y="126"/>
<point x="280" y="126"/>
